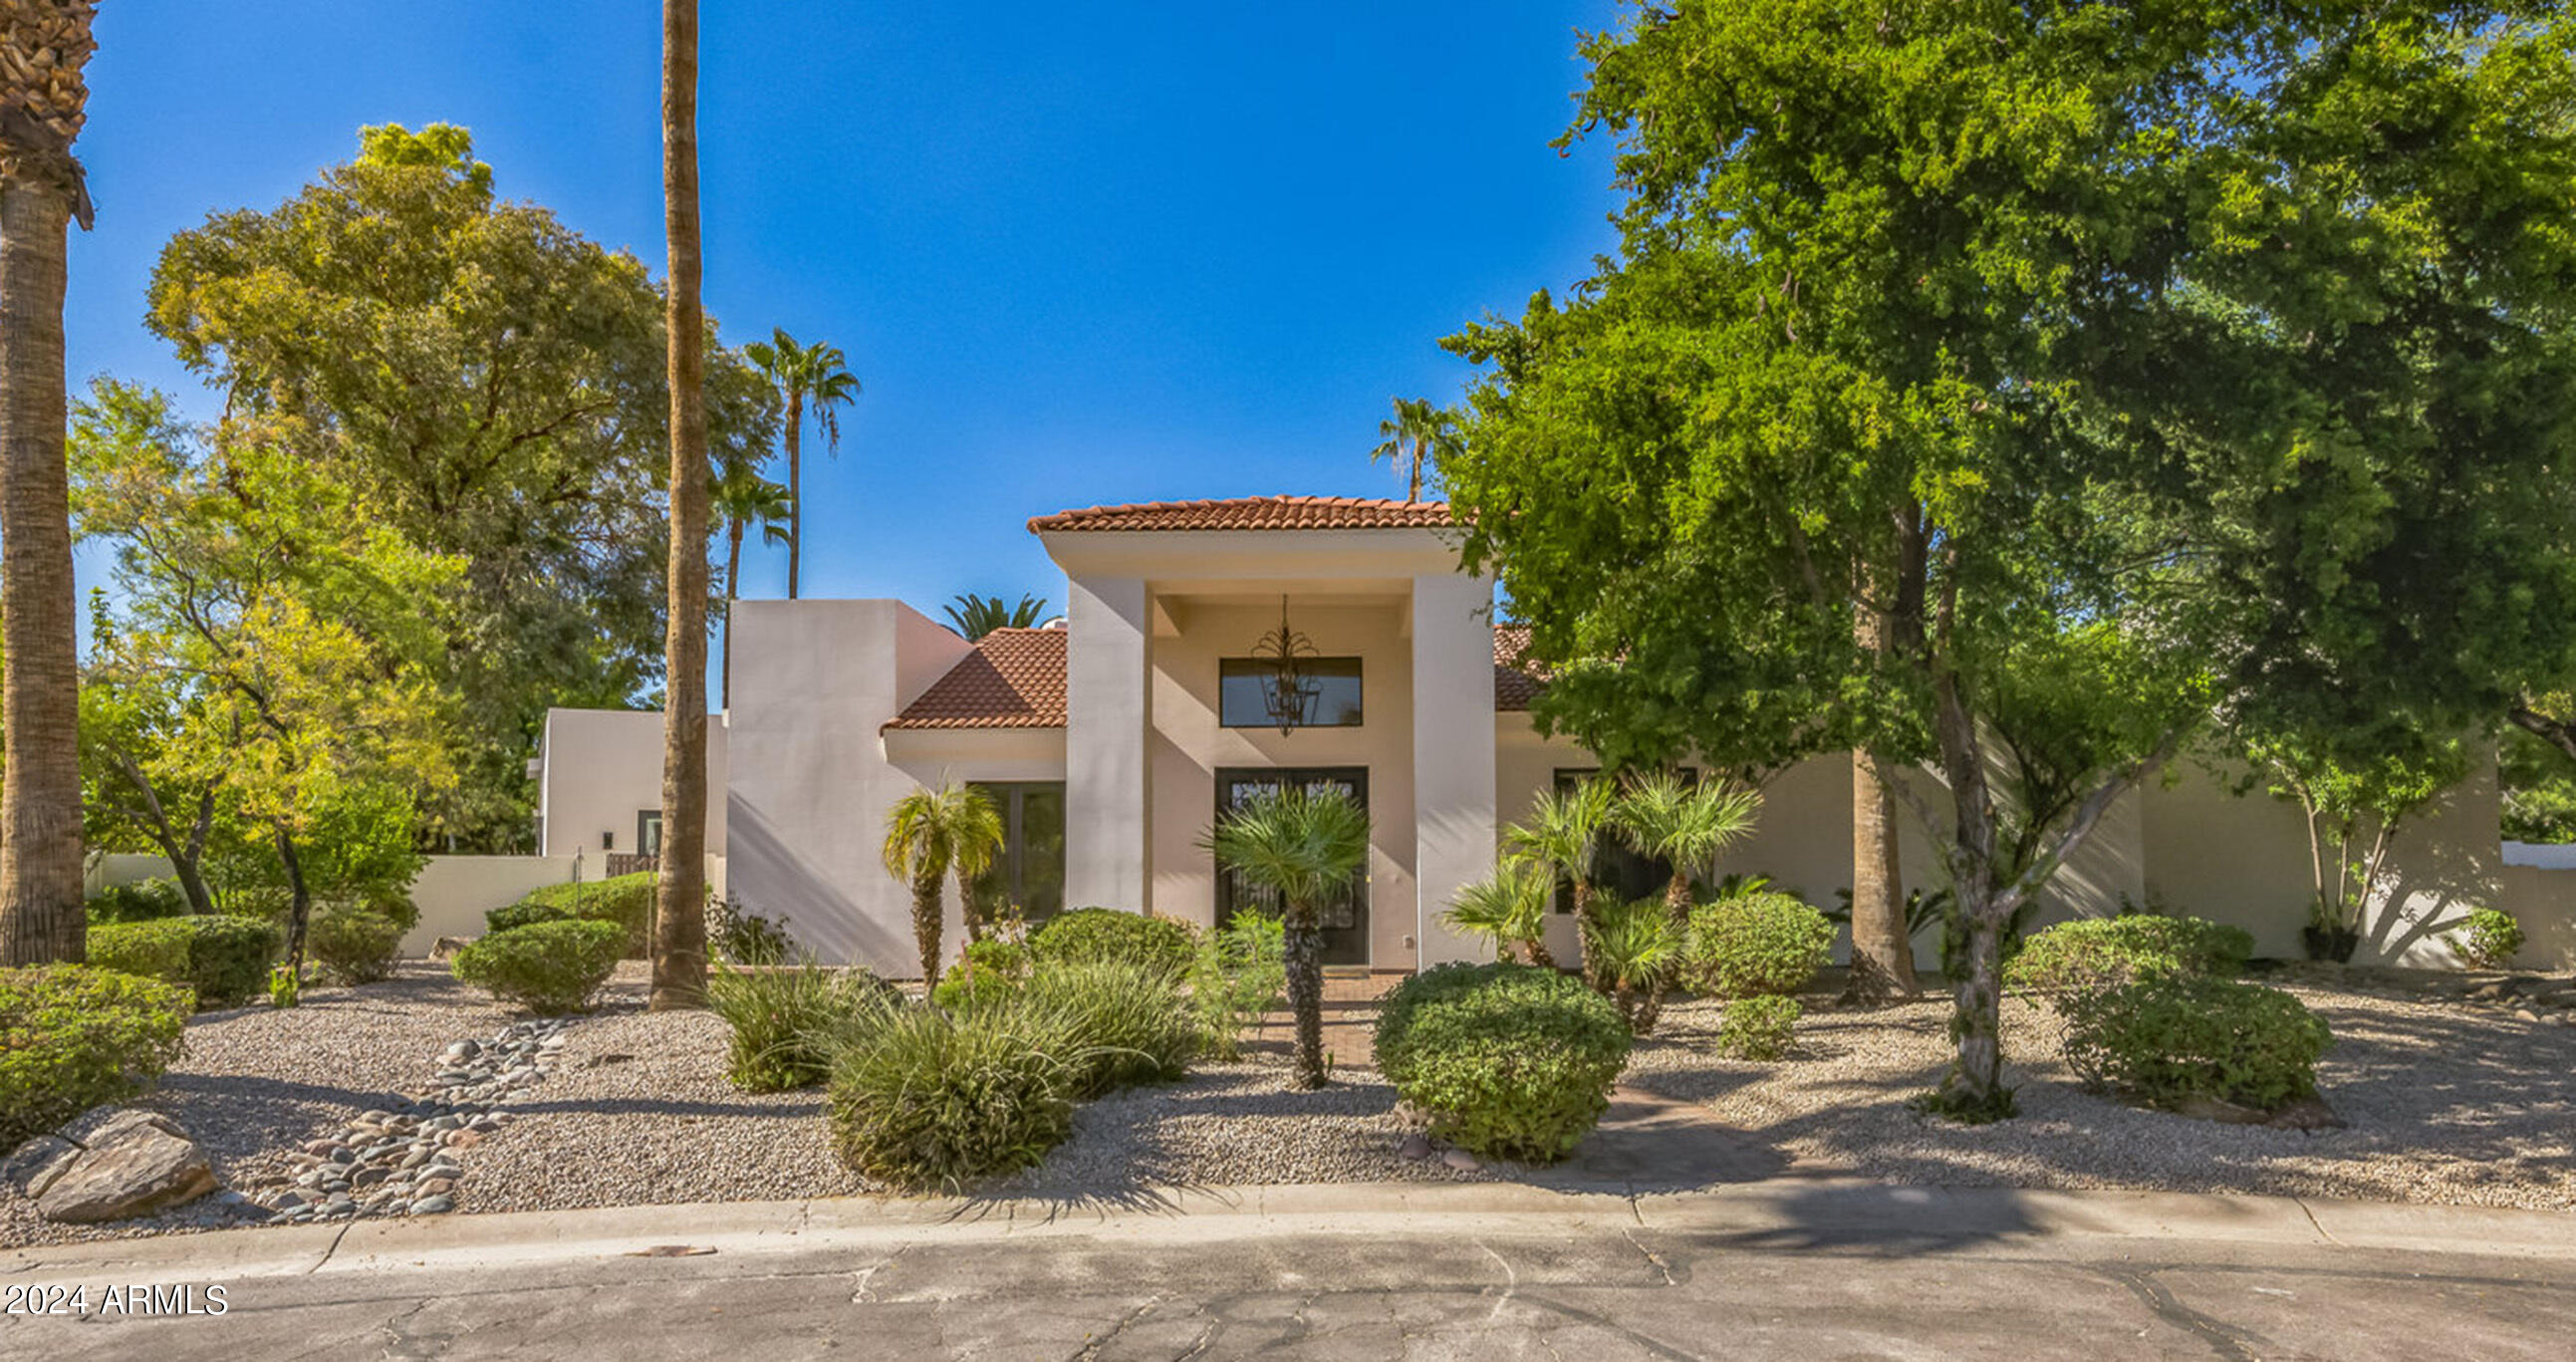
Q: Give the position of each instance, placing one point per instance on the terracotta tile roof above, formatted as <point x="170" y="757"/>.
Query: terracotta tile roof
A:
<point x="1253" y="513"/>
<point x="1513" y="687"/>
<point x="1013" y="679"/>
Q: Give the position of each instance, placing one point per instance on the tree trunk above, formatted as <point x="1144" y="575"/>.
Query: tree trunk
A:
<point x="733" y="570"/>
<point x="680" y="921"/>
<point x="1677" y="898"/>
<point x="1413" y="491"/>
<point x="1882" y="951"/>
<point x="41" y="914"/>
<point x="795" y="487"/>
<point x="1583" y="932"/>
<point x="1303" y="947"/>
<point x="1975" y="1088"/>
<point x="966" y="910"/>
<point x="927" y="912"/>
<point x="299" y="901"/>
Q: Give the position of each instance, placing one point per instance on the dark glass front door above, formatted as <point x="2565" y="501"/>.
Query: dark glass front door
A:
<point x="1345" y="918"/>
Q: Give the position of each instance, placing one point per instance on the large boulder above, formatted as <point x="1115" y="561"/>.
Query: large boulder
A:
<point x="37" y="1163"/>
<point x="135" y="1163"/>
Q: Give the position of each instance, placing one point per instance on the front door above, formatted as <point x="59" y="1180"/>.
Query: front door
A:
<point x="1345" y="917"/>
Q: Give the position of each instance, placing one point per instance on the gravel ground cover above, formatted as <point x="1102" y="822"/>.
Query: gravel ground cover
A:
<point x="2446" y="1103"/>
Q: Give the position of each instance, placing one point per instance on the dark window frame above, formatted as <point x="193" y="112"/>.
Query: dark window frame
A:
<point x="1010" y="870"/>
<point x="1343" y="945"/>
<point x="1228" y="667"/>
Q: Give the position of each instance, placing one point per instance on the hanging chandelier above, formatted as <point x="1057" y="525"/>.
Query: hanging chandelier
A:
<point x="1287" y="693"/>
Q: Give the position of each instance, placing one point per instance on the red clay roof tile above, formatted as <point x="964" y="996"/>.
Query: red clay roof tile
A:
<point x="1253" y="513"/>
<point x="1013" y="679"/>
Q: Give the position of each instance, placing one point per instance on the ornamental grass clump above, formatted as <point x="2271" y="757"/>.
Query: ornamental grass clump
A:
<point x="549" y="968"/>
<point x="932" y="1100"/>
<point x="788" y="1021"/>
<point x="2168" y="1038"/>
<point x="2097" y="953"/>
<point x="1090" y="935"/>
<point x="1758" y="1028"/>
<point x="75" y="1036"/>
<point x="1240" y="973"/>
<point x="1510" y="1061"/>
<point x="224" y="958"/>
<point x="1116" y="1024"/>
<point x="1758" y="943"/>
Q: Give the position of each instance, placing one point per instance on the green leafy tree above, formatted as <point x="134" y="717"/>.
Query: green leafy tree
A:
<point x="929" y="834"/>
<point x="2356" y="783"/>
<point x="742" y="498"/>
<point x="974" y="616"/>
<point x="2205" y="354"/>
<point x="1304" y="845"/>
<point x="819" y="375"/>
<point x="490" y="383"/>
<point x="1417" y="435"/>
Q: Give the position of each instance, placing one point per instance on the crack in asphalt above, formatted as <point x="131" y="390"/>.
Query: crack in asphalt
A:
<point x="1091" y="1348"/>
<point x="2225" y="1340"/>
<point x="1651" y="1256"/>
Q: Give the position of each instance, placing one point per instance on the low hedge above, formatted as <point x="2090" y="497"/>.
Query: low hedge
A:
<point x="1511" y="1061"/>
<point x="1091" y="935"/>
<point x="140" y="901"/>
<point x="224" y="958"/>
<point x="2169" y="1037"/>
<point x="626" y="900"/>
<point x="2105" y="952"/>
<point x="1759" y="943"/>
<point x="933" y="1099"/>
<point x="546" y="967"/>
<point x="1758" y="1028"/>
<point x="353" y="945"/>
<point x="75" y="1036"/>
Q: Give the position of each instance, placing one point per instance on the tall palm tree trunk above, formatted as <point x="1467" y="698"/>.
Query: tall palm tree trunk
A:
<point x="41" y="917"/>
<point x="1303" y="948"/>
<point x="795" y="487"/>
<point x="733" y="574"/>
<point x="1421" y="446"/>
<point x="680" y="924"/>
<point x="928" y="915"/>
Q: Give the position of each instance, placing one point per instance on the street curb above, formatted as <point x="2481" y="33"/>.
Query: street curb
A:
<point x="1785" y="1213"/>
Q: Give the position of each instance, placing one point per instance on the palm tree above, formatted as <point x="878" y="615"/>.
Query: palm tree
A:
<point x="1684" y="825"/>
<point x="815" y="373"/>
<point x="928" y="834"/>
<point x="975" y="616"/>
<point x="680" y="921"/>
<point x="743" y="498"/>
<point x="41" y="191"/>
<point x="1562" y="836"/>
<point x="1426" y="429"/>
<point x="1304" y="845"/>
<point x="1636" y="948"/>
<point x="1508" y="908"/>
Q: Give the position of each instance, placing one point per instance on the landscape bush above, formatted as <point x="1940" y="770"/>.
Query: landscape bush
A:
<point x="353" y="945"/>
<point x="1511" y="1061"/>
<point x="140" y="901"/>
<point x="75" y="1036"/>
<point x="2104" y="952"/>
<point x="742" y="937"/>
<point x="933" y="1100"/>
<point x="224" y="958"/>
<point x="547" y="967"/>
<point x="2169" y="1037"/>
<point x="1758" y="943"/>
<point x="626" y="900"/>
<point x="1115" y="1024"/>
<point x="1240" y="971"/>
<point x="787" y="1022"/>
<point x="993" y="968"/>
<point x="1086" y="935"/>
<point x="1758" y="1028"/>
<point x="2488" y="940"/>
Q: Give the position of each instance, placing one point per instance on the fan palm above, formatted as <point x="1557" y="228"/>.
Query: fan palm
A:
<point x="975" y="616"/>
<point x="930" y="833"/>
<point x="1305" y="845"/>
<point x="1636" y="948"/>
<point x="818" y="374"/>
<point x="1508" y="908"/>
<point x="1562" y="837"/>
<point x="742" y="498"/>
<point x="1418" y="430"/>
<point x="1684" y="825"/>
<point x="43" y="101"/>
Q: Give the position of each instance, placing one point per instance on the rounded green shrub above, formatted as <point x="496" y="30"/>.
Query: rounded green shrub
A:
<point x="353" y="945"/>
<point x="933" y="1100"/>
<point x="546" y="967"/>
<point x="1758" y="943"/>
<point x="626" y="900"/>
<point x="1510" y="1061"/>
<point x="2104" y="952"/>
<point x="2169" y="1037"/>
<point x="1117" y="1024"/>
<point x="1758" y="1028"/>
<point x="2488" y="940"/>
<point x="74" y="1036"/>
<point x="224" y="958"/>
<point x="1088" y="935"/>
<point x="141" y="901"/>
<point x="993" y="968"/>
<point x="787" y="1021"/>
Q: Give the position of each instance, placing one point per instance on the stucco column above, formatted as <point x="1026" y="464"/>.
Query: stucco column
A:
<point x="1108" y="714"/>
<point x="1453" y="753"/>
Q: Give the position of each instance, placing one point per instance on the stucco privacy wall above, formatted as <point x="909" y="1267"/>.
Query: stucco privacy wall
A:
<point x="810" y="781"/>
<point x="453" y="892"/>
<point x="604" y="766"/>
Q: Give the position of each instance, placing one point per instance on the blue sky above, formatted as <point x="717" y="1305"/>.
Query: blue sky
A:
<point x="1076" y="253"/>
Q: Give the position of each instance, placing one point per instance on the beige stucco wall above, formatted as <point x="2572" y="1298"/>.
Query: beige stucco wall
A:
<point x="602" y="767"/>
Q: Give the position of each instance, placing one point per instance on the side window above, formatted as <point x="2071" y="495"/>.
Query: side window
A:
<point x="1029" y="872"/>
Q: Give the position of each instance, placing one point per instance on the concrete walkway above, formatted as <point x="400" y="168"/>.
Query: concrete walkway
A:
<point x="1783" y="1267"/>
